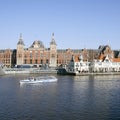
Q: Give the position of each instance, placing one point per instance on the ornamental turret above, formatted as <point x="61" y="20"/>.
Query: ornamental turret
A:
<point x="20" y="42"/>
<point x="20" y="51"/>
<point x="53" y="52"/>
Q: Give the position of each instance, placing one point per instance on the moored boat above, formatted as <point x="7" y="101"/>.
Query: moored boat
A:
<point x="41" y="79"/>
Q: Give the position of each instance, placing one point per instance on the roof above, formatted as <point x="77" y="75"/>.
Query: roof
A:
<point x="20" y="42"/>
<point x="116" y="59"/>
<point x="37" y="44"/>
<point x="53" y="40"/>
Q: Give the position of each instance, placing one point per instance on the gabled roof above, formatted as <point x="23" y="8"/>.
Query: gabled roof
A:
<point x="102" y="48"/>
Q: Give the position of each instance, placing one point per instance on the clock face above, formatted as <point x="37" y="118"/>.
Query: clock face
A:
<point x="20" y="55"/>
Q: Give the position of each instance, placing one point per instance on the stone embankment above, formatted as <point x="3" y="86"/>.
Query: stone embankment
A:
<point x="28" y="71"/>
<point x="63" y="71"/>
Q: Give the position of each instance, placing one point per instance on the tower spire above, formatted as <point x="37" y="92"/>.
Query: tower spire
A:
<point x="20" y="42"/>
<point x="53" y="34"/>
<point x="53" y="40"/>
<point x="108" y="43"/>
<point x="20" y="35"/>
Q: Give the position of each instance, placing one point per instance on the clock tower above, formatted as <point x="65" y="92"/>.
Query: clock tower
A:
<point x="20" y="51"/>
<point x="53" y="52"/>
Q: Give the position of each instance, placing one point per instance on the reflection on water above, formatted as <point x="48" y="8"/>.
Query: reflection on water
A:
<point x="99" y="95"/>
<point x="71" y="98"/>
<point x="97" y="77"/>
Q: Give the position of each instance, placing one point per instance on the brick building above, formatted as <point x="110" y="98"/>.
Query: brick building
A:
<point x="38" y="55"/>
<point x="8" y="57"/>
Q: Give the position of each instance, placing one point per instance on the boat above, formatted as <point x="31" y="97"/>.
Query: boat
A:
<point x="41" y="79"/>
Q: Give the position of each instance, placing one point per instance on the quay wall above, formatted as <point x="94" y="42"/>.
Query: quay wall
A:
<point x="50" y="71"/>
<point x="28" y="71"/>
<point x="63" y="71"/>
<point x="96" y="73"/>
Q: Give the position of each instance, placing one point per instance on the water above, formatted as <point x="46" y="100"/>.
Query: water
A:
<point x="71" y="98"/>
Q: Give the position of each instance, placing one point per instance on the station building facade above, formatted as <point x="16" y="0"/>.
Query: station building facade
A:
<point x="37" y="55"/>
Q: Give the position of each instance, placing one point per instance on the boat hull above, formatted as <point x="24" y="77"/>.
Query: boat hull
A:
<point x="39" y="80"/>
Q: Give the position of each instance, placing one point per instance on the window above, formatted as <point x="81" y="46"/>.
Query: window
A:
<point x="25" y="56"/>
<point x="53" y="55"/>
<point x="36" y="61"/>
<point x="30" y="55"/>
<point x="25" y="61"/>
<point x="41" y="61"/>
<point x="30" y="61"/>
<point x="47" y="61"/>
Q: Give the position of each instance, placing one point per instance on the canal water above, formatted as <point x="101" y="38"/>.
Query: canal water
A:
<point x="70" y="98"/>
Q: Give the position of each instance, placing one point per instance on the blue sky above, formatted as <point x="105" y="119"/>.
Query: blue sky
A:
<point x="76" y="24"/>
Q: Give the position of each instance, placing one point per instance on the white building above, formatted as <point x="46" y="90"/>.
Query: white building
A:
<point x="104" y="66"/>
<point x="77" y="65"/>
